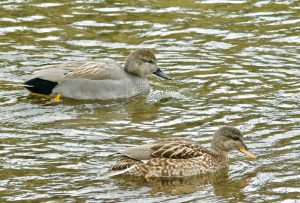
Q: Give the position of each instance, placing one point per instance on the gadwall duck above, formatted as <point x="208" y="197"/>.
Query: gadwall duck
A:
<point x="181" y="157"/>
<point x="97" y="79"/>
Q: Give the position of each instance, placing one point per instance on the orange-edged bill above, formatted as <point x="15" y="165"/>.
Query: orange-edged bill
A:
<point x="243" y="150"/>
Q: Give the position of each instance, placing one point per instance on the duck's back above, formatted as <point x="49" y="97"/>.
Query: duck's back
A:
<point x="101" y="69"/>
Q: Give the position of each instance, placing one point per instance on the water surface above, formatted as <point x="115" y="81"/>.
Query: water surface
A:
<point x="232" y="62"/>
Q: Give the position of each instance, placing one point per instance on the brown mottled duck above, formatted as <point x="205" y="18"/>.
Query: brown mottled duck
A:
<point x="181" y="157"/>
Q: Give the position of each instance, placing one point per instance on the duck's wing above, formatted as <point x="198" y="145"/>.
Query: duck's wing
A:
<point x="124" y="163"/>
<point x="172" y="149"/>
<point x="104" y="69"/>
<point x="175" y="150"/>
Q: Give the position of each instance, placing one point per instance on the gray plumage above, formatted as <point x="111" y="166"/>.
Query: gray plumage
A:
<point x="103" y="78"/>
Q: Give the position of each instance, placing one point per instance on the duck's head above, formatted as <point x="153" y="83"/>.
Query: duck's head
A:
<point x="230" y="138"/>
<point x="142" y="62"/>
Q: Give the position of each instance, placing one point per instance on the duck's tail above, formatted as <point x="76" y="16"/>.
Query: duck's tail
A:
<point x="40" y="86"/>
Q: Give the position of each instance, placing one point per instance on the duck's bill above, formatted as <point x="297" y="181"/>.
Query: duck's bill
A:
<point x="245" y="151"/>
<point x="159" y="73"/>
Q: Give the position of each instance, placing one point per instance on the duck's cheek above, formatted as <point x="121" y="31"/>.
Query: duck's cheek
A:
<point x="231" y="146"/>
<point x="227" y="146"/>
<point x="147" y="69"/>
<point x="151" y="68"/>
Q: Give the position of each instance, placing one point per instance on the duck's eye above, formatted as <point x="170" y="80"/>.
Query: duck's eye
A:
<point x="148" y="61"/>
<point x="236" y="138"/>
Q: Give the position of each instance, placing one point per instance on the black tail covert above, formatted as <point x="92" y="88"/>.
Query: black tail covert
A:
<point x="40" y="86"/>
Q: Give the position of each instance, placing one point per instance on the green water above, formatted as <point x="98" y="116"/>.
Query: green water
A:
<point x="233" y="63"/>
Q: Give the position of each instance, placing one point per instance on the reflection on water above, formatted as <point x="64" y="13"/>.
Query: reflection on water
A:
<point x="174" y="186"/>
<point x="232" y="63"/>
<point x="219" y="182"/>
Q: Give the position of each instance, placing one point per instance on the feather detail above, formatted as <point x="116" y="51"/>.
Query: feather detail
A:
<point x="178" y="157"/>
<point x="124" y="163"/>
<point x="178" y="151"/>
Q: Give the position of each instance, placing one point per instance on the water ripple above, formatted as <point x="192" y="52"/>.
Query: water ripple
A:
<point x="232" y="63"/>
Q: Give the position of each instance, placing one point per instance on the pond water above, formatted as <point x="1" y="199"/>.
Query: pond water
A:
<point x="233" y="62"/>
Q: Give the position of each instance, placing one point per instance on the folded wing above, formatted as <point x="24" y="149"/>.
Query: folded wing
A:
<point x="180" y="148"/>
<point x="104" y="69"/>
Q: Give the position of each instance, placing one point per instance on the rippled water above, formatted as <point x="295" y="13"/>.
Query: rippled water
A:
<point x="233" y="62"/>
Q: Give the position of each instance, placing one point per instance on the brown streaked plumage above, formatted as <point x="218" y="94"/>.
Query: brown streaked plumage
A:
<point x="180" y="157"/>
<point x="97" y="79"/>
<point x="124" y="163"/>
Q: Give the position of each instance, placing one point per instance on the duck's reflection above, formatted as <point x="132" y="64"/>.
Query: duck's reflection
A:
<point x="172" y="185"/>
<point x="222" y="185"/>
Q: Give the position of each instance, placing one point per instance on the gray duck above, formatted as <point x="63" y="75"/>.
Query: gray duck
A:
<point x="97" y="79"/>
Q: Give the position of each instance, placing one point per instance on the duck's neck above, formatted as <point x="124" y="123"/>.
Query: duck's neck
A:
<point x="140" y="83"/>
<point x="219" y="153"/>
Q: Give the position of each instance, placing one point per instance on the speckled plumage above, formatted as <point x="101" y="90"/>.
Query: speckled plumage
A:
<point x="180" y="157"/>
<point x="97" y="79"/>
